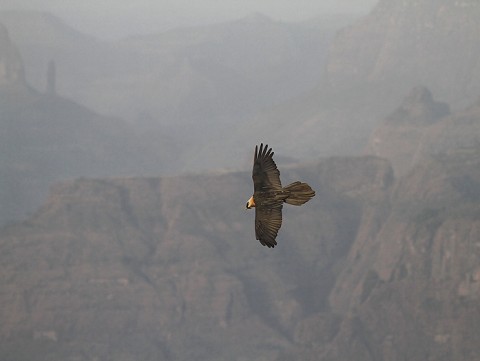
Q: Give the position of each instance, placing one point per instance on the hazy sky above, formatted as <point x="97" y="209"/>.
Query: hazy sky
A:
<point x="115" y="18"/>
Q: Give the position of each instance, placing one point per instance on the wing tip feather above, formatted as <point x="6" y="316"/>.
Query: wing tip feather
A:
<point x="263" y="151"/>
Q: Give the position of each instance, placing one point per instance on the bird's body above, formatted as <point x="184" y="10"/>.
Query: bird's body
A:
<point x="269" y="196"/>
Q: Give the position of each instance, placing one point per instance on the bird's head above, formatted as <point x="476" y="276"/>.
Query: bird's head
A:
<point x="250" y="203"/>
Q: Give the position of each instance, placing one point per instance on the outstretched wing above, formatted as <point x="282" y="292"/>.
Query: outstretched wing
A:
<point x="268" y="221"/>
<point x="265" y="174"/>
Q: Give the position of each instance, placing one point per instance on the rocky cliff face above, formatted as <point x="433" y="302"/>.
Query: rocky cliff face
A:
<point x="371" y="65"/>
<point x="169" y="268"/>
<point x="401" y="136"/>
<point x="412" y="42"/>
<point x="421" y="128"/>
<point x="417" y="296"/>
<point x="11" y="67"/>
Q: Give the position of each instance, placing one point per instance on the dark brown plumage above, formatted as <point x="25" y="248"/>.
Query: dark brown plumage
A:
<point x="269" y="196"/>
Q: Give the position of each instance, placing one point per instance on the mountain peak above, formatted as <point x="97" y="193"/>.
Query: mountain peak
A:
<point x="400" y="138"/>
<point x="419" y="94"/>
<point x="419" y="108"/>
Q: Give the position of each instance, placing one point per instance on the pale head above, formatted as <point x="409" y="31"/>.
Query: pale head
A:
<point x="250" y="203"/>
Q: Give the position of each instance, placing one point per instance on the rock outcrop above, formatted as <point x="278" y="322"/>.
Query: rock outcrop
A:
<point x="169" y="268"/>
<point x="418" y="294"/>
<point x="419" y="108"/>
<point x="46" y="138"/>
<point x="401" y="136"/>
<point x="412" y="42"/>
<point x="421" y="128"/>
<point x="11" y="67"/>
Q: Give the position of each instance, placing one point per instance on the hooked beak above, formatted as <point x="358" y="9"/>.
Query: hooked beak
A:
<point x="250" y="203"/>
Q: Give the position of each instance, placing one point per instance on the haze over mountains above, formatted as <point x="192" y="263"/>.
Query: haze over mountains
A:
<point x="428" y="42"/>
<point x="130" y="259"/>
<point x="186" y="75"/>
<point x="262" y="75"/>
<point x="46" y="137"/>
<point x="163" y="90"/>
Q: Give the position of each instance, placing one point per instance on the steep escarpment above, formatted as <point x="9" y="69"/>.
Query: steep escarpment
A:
<point x="422" y="127"/>
<point x="169" y="268"/>
<point x="417" y="298"/>
<point x="412" y="42"/>
<point x="401" y="136"/>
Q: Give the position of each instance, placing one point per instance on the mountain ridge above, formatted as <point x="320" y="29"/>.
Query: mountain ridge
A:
<point x="167" y="259"/>
<point x="421" y="128"/>
<point x="46" y="137"/>
<point x="426" y="30"/>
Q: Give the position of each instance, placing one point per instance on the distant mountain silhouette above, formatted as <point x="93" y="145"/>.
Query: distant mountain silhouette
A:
<point x="401" y="44"/>
<point x="371" y="65"/>
<point x="182" y="81"/>
<point x="211" y="88"/>
<point x="46" y="138"/>
<point x="194" y="73"/>
<point x="256" y="73"/>
<point x="41" y="37"/>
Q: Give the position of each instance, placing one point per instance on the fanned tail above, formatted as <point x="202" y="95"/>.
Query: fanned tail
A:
<point x="299" y="193"/>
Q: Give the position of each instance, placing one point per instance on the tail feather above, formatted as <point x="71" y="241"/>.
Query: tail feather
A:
<point x="299" y="193"/>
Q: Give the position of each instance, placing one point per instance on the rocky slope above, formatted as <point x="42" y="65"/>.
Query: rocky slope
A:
<point x="401" y="136"/>
<point x="417" y="296"/>
<point x="412" y="42"/>
<point x="49" y="138"/>
<point x="371" y="65"/>
<point x="169" y="269"/>
<point x="421" y="128"/>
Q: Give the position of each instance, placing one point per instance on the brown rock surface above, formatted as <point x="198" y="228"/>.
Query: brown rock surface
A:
<point x="417" y="296"/>
<point x="168" y="268"/>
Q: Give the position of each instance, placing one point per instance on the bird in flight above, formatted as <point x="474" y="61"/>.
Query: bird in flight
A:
<point x="269" y="196"/>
